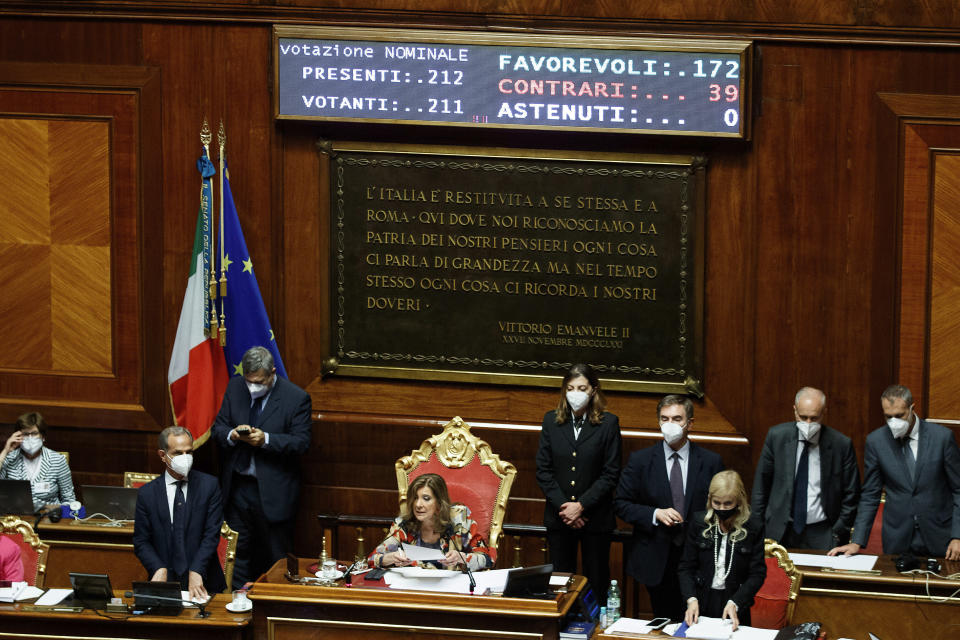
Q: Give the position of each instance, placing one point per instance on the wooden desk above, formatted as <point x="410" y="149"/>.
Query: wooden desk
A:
<point x="18" y="621"/>
<point x="89" y="547"/>
<point x="285" y="611"/>
<point x="890" y="604"/>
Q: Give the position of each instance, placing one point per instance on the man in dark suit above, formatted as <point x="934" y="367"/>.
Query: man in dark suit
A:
<point x="178" y="519"/>
<point x="918" y="463"/>
<point x="659" y="489"/>
<point x="262" y="430"/>
<point x="818" y="514"/>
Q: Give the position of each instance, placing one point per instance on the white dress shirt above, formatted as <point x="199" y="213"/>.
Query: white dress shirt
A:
<point x="171" y="484"/>
<point x="815" y="512"/>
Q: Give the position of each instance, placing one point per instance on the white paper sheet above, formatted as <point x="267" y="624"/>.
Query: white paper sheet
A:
<point x="494" y="580"/>
<point x="421" y="553"/>
<point x="451" y="584"/>
<point x="629" y="625"/>
<point x="710" y="629"/>
<point x="29" y="593"/>
<point x="559" y="581"/>
<point x="53" y="597"/>
<point x="850" y="563"/>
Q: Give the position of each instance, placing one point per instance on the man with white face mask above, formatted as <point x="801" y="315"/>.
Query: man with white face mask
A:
<point x="660" y="487"/>
<point x="262" y="430"/>
<point x="177" y="524"/>
<point x="807" y="482"/>
<point x="918" y="464"/>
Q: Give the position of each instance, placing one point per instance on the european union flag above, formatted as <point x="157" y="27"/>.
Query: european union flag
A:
<point x="244" y="315"/>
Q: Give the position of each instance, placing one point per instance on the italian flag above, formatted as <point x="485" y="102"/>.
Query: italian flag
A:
<point x="198" y="371"/>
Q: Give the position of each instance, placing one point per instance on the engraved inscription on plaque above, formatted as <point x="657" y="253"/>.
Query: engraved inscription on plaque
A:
<point x="505" y="267"/>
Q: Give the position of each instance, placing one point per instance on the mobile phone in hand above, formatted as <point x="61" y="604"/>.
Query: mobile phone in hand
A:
<point x="243" y="430"/>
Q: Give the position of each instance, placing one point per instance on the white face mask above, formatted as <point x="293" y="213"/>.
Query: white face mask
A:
<point x="898" y="427"/>
<point x="808" y="430"/>
<point x="257" y="390"/>
<point x="672" y="432"/>
<point x="577" y="399"/>
<point x="31" y="444"/>
<point x="181" y="463"/>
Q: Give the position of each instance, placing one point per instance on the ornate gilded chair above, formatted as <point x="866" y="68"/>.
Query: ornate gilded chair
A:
<point x="227" y="552"/>
<point x="33" y="552"/>
<point x="774" y="604"/>
<point x="475" y="476"/>
<point x="135" y="479"/>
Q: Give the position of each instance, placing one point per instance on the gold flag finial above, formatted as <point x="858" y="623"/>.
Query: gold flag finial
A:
<point x="205" y="135"/>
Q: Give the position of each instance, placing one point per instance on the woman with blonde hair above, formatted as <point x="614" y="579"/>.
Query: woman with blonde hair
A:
<point x="427" y="519"/>
<point x="722" y="566"/>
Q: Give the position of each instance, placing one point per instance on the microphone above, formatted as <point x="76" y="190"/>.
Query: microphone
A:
<point x="203" y="613"/>
<point x="466" y="566"/>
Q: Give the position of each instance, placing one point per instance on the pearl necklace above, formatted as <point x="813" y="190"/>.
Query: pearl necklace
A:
<point x="716" y="553"/>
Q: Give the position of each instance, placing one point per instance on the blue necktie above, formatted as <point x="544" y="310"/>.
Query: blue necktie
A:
<point x="179" y="531"/>
<point x="800" y="490"/>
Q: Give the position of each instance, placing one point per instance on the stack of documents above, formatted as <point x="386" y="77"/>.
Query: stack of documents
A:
<point x="19" y="591"/>
<point x="718" y="629"/>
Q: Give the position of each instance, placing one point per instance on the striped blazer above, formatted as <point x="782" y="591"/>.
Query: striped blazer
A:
<point x="53" y="484"/>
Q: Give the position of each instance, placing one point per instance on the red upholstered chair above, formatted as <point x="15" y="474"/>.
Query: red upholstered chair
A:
<point x="227" y="552"/>
<point x="875" y="542"/>
<point x="475" y="476"/>
<point x="774" y="604"/>
<point x="33" y="552"/>
<point x="135" y="479"/>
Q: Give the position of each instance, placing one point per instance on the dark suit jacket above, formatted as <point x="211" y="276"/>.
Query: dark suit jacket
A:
<point x="286" y="417"/>
<point x="931" y="499"/>
<point x="583" y="470"/>
<point x="644" y="487"/>
<point x="772" y="499"/>
<point x="746" y="576"/>
<point x="152" y="534"/>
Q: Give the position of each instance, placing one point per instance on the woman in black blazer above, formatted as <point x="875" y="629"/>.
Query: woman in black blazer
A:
<point x="722" y="566"/>
<point x="578" y="465"/>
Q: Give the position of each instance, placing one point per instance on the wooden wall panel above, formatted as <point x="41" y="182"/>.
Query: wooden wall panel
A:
<point x="944" y="352"/>
<point x="60" y="216"/>
<point x="96" y="368"/>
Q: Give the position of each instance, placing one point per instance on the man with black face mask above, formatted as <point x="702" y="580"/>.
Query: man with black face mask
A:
<point x="262" y="429"/>
<point x="807" y="482"/>
<point x="178" y="519"/>
<point x="659" y="489"/>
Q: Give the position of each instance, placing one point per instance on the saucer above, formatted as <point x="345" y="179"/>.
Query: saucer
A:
<point x="336" y="576"/>
<point x="234" y="609"/>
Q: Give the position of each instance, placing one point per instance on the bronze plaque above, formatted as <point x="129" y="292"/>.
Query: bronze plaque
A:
<point x="508" y="266"/>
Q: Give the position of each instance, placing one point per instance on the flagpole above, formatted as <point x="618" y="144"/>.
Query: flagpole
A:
<point x="205" y="137"/>
<point x="222" y="137"/>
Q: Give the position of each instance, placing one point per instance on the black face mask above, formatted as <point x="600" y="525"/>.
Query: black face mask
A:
<point x="726" y="514"/>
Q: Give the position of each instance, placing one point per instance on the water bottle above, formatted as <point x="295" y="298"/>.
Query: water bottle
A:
<point x="613" y="603"/>
<point x="603" y="617"/>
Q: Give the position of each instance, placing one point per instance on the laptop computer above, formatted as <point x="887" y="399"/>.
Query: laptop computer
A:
<point x="119" y="503"/>
<point x="142" y="600"/>
<point x="16" y="498"/>
<point x="529" y="582"/>
<point x="90" y="591"/>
